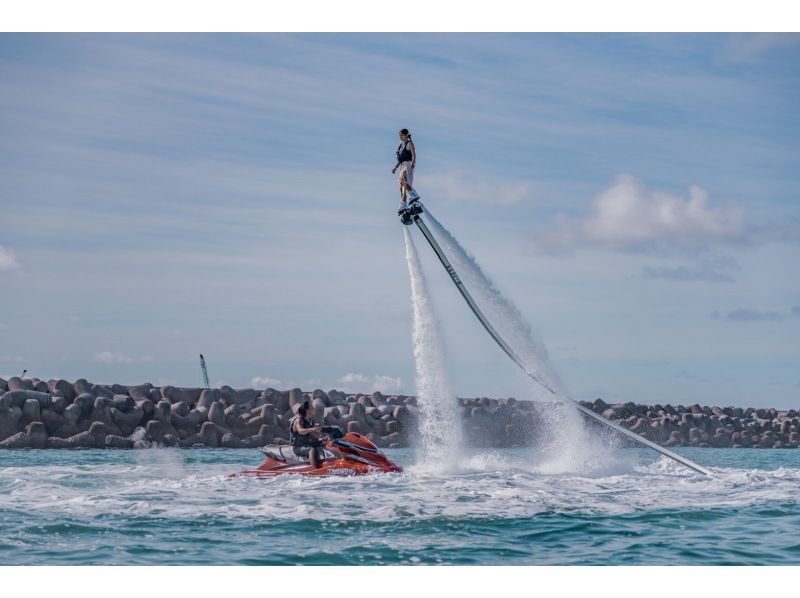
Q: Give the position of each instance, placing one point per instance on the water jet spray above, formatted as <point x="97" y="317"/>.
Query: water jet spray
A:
<point x="413" y="215"/>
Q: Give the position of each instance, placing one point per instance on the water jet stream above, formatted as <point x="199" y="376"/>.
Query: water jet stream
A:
<point x="535" y="376"/>
<point x="440" y="427"/>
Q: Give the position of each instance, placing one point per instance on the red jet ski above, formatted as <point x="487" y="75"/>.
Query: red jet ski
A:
<point x="342" y="455"/>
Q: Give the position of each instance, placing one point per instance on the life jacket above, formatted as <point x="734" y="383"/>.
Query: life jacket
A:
<point x="403" y="153"/>
<point x="296" y="439"/>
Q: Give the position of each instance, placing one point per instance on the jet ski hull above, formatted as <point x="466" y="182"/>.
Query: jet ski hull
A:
<point x="348" y="455"/>
<point x="339" y="467"/>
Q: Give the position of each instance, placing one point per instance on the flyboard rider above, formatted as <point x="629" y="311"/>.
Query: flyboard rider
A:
<point x="304" y="435"/>
<point x="406" y="162"/>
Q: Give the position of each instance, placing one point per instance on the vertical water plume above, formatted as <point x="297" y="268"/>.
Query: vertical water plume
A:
<point x="440" y="425"/>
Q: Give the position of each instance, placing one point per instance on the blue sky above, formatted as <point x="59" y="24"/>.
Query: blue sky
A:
<point x="635" y="195"/>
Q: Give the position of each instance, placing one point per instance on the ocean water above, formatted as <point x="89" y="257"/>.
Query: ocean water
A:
<point x="169" y="506"/>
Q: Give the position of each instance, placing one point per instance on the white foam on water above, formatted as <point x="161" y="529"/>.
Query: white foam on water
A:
<point x="440" y="425"/>
<point x="495" y="484"/>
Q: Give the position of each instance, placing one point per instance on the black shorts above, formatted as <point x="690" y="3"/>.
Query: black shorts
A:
<point x="302" y="451"/>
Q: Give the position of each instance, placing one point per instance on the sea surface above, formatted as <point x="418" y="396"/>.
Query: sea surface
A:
<point x="172" y="507"/>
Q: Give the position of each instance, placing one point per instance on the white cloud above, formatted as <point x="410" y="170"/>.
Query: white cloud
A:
<point x="708" y="269"/>
<point x="8" y="260"/>
<point x="11" y="359"/>
<point x="747" y="314"/>
<point x="746" y="47"/>
<point x="262" y="382"/>
<point x="628" y="216"/>
<point x="353" y="382"/>
<point x="464" y="187"/>
<point x="111" y="357"/>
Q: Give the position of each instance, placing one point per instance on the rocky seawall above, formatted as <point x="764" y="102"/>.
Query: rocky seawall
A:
<point x="62" y="414"/>
<point x="704" y="426"/>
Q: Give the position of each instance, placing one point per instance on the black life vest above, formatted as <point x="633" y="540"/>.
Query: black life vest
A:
<point x="403" y="153"/>
<point x="296" y="439"/>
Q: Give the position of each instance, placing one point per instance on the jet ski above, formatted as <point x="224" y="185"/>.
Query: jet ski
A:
<point x="342" y="455"/>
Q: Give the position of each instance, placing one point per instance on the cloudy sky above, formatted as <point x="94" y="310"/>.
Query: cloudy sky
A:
<point x="635" y="196"/>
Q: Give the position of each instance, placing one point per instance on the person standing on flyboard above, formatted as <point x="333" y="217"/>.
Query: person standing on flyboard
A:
<point x="406" y="162"/>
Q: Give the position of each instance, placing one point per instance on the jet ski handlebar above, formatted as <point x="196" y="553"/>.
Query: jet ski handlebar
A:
<point x="334" y="432"/>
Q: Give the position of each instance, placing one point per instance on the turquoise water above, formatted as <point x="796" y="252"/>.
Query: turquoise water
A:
<point x="168" y="506"/>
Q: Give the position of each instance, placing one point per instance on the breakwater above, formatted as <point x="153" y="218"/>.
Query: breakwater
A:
<point x="61" y="414"/>
<point x="704" y="426"/>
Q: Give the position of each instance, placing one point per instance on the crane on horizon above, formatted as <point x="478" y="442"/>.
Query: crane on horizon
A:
<point x="205" y="371"/>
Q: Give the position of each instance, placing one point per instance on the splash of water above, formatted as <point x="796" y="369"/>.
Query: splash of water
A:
<point x="564" y="442"/>
<point x="440" y="427"/>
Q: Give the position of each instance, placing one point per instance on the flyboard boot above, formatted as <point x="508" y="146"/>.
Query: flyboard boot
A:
<point x="411" y="210"/>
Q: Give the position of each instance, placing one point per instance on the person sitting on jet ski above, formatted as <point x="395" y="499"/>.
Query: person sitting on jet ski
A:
<point x="304" y="435"/>
<point x="406" y="162"/>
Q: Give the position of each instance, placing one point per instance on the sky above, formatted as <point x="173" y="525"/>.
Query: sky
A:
<point x="636" y="196"/>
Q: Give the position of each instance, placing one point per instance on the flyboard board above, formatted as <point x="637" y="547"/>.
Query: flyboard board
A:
<point x="412" y="214"/>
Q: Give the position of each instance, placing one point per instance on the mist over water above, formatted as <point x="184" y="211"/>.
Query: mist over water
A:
<point x="440" y="426"/>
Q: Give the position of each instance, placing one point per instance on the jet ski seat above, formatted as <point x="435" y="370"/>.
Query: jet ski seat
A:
<point x="285" y="454"/>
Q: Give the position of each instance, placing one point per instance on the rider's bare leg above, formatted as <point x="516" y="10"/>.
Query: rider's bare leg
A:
<point x="404" y="189"/>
